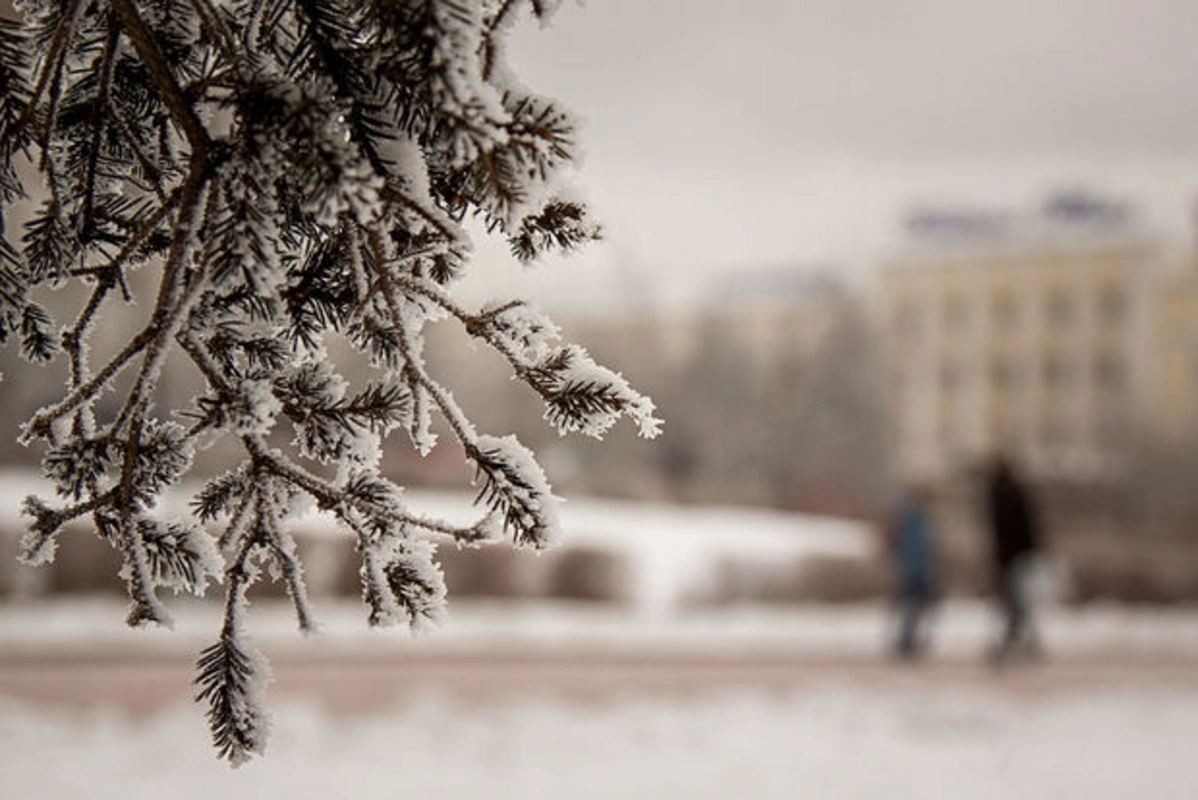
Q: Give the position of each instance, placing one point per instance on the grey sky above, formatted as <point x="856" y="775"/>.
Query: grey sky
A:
<point x="906" y="77"/>
<point x="772" y="131"/>
<point x="726" y="133"/>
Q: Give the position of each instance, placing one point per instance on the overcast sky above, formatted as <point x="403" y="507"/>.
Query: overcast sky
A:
<point x="722" y="135"/>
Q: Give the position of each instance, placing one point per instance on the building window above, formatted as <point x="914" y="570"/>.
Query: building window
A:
<point x="899" y="383"/>
<point x="950" y="377"/>
<point x="1060" y="309"/>
<point x="907" y="321"/>
<point x="1109" y="372"/>
<point x="1052" y="433"/>
<point x="1113" y="304"/>
<point x="1056" y="372"/>
<point x="1006" y="312"/>
<point x="956" y="314"/>
<point x="1000" y="374"/>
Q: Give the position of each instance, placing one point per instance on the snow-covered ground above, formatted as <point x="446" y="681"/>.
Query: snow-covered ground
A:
<point x="831" y="735"/>
<point x="959" y="630"/>
<point x="828" y="736"/>
<point x="834" y="744"/>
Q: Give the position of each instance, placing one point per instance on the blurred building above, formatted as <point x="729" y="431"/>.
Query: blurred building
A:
<point x="1062" y="337"/>
<point x="1175" y="412"/>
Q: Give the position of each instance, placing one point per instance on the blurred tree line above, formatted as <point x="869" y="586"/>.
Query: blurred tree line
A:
<point x="792" y="415"/>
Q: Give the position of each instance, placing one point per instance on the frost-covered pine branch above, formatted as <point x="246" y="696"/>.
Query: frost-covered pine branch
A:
<point x="280" y="170"/>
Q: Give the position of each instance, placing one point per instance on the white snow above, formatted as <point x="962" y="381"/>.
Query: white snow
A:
<point x="960" y="631"/>
<point x="523" y="327"/>
<point x="258" y="408"/>
<point x="520" y="485"/>
<point x="834" y="744"/>
<point x="419" y="600"/>
<point x="583" y="371"/>
<point x="832" y="736"/>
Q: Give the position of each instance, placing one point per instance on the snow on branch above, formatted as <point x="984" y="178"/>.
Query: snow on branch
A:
<point x="513" y="485"/>
<point x="401" y="582"/>
<point x="232" y="679"/>
<point x="258" y="176"/>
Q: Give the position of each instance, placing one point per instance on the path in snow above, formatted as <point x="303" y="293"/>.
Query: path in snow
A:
<point x="357" y="685"/>
<point x="831" y="744"/>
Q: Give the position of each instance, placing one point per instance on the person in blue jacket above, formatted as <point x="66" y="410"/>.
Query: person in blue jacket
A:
<point x="911" y="540"/>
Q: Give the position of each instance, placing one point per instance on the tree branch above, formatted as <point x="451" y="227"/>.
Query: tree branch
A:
<point x="40" y="424"/>
<point x="146" y="606"/>
<point x="326" y="494"/>
<point x="172" y="302"/>
<point x="151" y="55"/>
<point x="333" y="497"/>
<point x="52" y="65"/>
<point x="107" y="62"/>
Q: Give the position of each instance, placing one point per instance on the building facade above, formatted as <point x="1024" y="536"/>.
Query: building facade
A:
<point x="1045" y="351"/>
<point x="1174" y="415"/>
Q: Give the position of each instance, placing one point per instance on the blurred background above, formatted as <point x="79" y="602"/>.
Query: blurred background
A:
<point x="850" y="245"/>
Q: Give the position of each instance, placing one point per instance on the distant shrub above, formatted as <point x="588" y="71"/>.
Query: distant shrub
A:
<point x="590" y="573"/>
<point x="86" y="564"/>
<point x="1133" y="581"/>
<point x="839" y="579"/>
<point x="493" y="572"/>
<point x="810" y="579"/>
<point x="8" y="562"/>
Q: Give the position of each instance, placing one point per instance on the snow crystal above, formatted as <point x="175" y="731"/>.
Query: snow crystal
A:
<point x="366" y="450"/>
<point x="199" y="549"/>
<point x="457" y="86"/>
<point x="403" y="584"/>
<point x="421" y="431"/>
<point x="524" y="327"/>
<point x="581" y="373"/>
<point x="257" y="409"/>
<point x="251" y="708"/>
<point x="208" y="558"/>
<point x="404" y="161"/>
<point x="519" y="488"/>
<point x="37" y="546"/>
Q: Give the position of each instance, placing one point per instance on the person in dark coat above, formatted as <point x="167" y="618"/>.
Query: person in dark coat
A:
<point x="1015" y="538"/>
<point x="911" y="542"/>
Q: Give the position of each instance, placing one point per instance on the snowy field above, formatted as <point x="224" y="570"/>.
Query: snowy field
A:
<point x="879" y="732"/>
<point x="1113" y="715"/>
<point x="834" y="743"/>
<point x="76" y="626"/>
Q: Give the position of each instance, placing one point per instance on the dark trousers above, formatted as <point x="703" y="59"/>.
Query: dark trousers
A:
<point x="1015" y="607"/>
<point x="913" y="605"/>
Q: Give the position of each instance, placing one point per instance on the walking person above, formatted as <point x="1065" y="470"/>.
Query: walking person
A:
<point x="1015" y="539"/>
<point x="911" y="536"/>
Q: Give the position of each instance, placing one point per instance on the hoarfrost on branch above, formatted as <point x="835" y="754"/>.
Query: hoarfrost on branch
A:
<point x="281" y="170"/>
